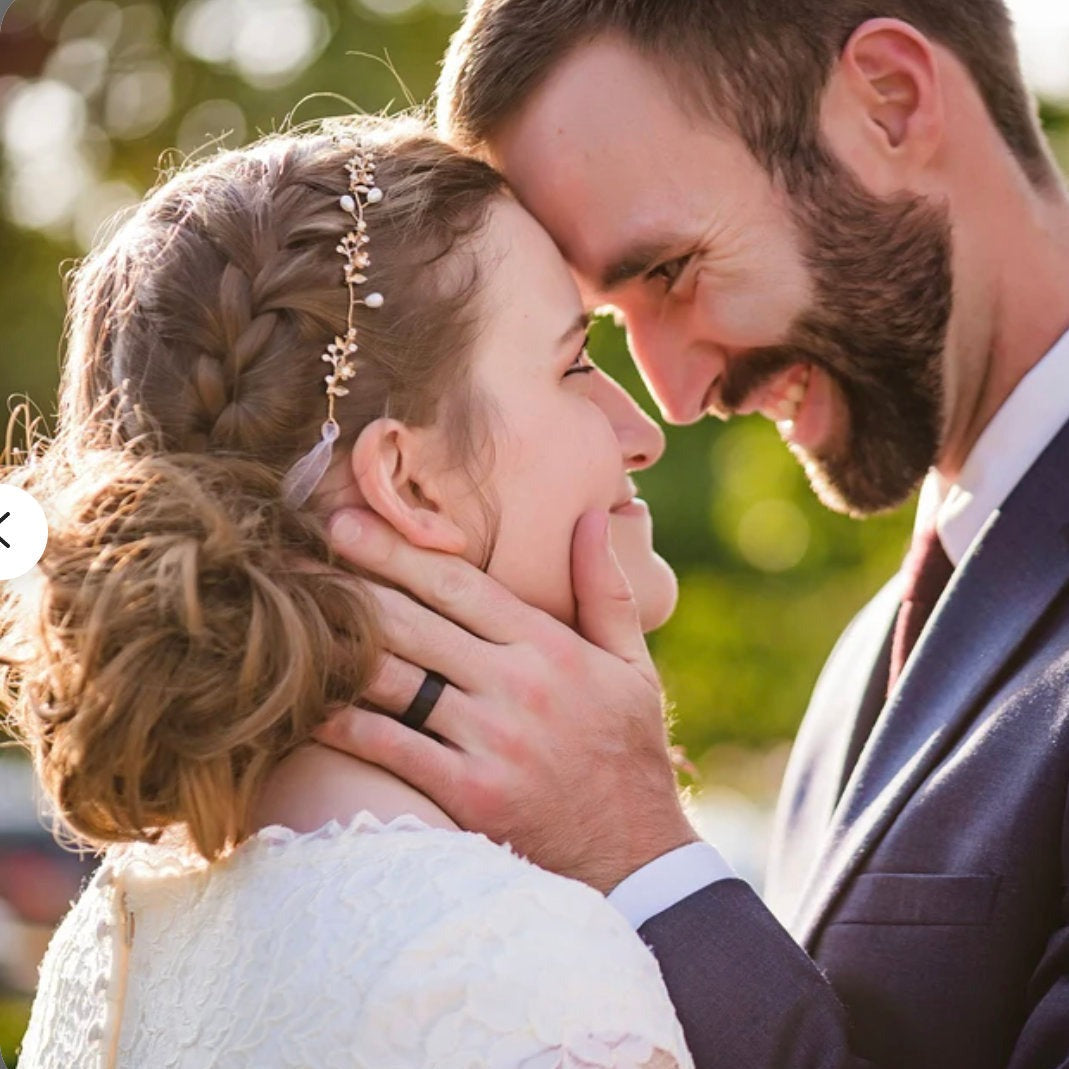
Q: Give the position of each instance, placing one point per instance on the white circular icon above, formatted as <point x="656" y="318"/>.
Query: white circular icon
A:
<point x="23" y="532"/>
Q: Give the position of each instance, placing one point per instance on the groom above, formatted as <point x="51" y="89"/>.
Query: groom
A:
<point x="853" y="225"/>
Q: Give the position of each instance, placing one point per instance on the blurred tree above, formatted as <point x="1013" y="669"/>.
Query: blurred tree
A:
<point x="96" y="96"/>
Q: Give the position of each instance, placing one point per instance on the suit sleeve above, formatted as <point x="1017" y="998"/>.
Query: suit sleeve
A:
<point x="746" y="993"/>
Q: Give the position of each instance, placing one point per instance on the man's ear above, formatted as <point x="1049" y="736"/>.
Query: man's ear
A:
<point x="390" y="462"/>
<point x="883" y="108"/>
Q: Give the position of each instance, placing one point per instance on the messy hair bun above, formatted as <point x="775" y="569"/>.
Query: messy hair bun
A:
<point x="184" y="629"/>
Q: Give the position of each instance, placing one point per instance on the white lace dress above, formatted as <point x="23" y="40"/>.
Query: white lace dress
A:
<point x="385" y="946"/>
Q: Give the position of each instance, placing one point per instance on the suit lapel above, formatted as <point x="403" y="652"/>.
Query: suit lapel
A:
<point x="814" y="776"/>
<point x="1015" y="569"/>
<point x="872" y="700"/>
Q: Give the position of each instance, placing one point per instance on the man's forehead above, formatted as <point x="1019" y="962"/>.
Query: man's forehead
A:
<point x="609" y="173"/>
<point x="601" y="88"/>
<point x="601" y="225"/>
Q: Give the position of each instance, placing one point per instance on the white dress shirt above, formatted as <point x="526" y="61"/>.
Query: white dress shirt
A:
<point x="1009" y="445"/>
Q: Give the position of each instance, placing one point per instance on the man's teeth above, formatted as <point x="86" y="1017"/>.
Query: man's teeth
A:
<point x="787" y="408"/>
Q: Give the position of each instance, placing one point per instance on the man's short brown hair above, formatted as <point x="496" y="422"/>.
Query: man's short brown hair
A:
<point x="761" y="65"/>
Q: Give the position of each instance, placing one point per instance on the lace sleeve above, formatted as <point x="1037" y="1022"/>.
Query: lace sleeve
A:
<point x="539" y="974"/>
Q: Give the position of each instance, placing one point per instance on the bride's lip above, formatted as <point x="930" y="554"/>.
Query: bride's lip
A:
<point x="629" y="503"/>
<point x="627" y="495"/>
<point x="633" y="507"/>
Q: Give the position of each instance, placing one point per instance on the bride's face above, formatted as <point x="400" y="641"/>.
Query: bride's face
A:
<point x="565" y="435"/>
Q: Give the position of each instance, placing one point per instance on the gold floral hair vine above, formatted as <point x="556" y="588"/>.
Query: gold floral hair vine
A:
<point x="303" y="477"/>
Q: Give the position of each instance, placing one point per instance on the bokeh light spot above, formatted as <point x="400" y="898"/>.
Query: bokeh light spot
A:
<point x="99" y="19"/>
<point x="269" y="42"/>
<point x="206" y="29"/>
<point x="137" y="101"/>
<point x="81" y="64"/>
<point x="391" y="9"/>
<point x="40" y="117"/>
<point x="218" y="123"/>
<point x="275" y="46"/>
<point x="773" y="535"/>
<point x="42" y="193"/>
<point x="97" y="211"/>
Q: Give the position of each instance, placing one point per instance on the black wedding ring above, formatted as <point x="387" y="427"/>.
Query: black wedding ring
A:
<point x="430" y="690"/>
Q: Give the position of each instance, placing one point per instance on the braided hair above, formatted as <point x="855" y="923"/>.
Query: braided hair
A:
<point x="185" y="630"/>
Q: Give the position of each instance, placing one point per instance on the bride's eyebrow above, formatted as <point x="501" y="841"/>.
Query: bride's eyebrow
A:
<point x="580" y="326"/>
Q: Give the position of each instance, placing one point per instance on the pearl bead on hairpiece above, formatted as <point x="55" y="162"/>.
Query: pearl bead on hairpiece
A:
<point x="299" y="482"/>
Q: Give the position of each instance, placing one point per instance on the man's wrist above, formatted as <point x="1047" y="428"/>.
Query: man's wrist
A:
<point x="667" y="879"/>
<point x="643" y="858"/>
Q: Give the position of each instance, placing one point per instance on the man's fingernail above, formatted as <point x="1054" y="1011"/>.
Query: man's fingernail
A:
<point x="345" y="528"/>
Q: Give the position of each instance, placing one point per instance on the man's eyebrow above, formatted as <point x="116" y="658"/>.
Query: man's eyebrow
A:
<point x="635" y="261"/>
<point x="580" y="326"/>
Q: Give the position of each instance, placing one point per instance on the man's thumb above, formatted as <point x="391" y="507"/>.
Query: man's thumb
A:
<point x="606" y="610"/>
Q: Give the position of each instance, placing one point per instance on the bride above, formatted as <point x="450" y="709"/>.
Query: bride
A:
<point x="265" y="900"/>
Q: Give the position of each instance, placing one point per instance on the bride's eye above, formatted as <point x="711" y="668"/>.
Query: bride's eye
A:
<point x="582" y="364"/>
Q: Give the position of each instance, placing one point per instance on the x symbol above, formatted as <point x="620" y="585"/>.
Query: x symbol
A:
<point x="7" y="545"/>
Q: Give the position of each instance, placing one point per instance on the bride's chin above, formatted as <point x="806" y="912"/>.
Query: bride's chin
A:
<point x="656" y="593"/>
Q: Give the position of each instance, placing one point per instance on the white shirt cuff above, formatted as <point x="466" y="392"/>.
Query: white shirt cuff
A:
<point x="667" y="880"/>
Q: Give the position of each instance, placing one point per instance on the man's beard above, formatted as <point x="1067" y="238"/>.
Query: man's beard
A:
<point x="881" y="269"/>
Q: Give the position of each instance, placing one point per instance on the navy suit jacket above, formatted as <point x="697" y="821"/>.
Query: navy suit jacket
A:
<point x="917" y="913"/>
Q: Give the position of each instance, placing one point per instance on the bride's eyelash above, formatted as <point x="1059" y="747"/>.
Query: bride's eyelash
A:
<point x="578" y="367"/>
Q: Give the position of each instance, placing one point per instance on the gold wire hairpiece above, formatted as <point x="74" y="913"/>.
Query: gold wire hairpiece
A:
<point x="302" y="478"/>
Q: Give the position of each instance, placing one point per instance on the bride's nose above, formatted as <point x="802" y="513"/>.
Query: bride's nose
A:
<point x="640" y="437"/>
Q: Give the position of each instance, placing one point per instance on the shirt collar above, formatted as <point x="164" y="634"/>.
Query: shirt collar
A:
<point x="1008" y="446"/>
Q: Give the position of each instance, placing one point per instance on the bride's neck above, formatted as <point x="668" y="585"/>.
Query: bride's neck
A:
<point x="316" y="784"/>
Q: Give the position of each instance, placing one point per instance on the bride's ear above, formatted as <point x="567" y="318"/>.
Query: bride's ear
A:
<point x="390" y="462"/>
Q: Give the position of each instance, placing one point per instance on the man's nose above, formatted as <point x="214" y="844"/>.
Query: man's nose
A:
<point x="677" y="374"/>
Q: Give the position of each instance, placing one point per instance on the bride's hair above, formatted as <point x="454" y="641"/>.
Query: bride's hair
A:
<point x="185" y="629"/>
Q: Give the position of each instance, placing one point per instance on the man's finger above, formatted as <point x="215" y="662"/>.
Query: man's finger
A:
<point x="430" y="767"/>
<point x="423" y="638"/>
<point x="396" y="684"/>
<point x="606" y="608"/>
<point x="448" y="583"/>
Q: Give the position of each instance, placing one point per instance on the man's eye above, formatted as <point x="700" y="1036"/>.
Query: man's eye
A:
<point x="669" y="271"/>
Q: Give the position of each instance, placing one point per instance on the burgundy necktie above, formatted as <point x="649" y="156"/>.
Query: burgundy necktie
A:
<point x="927" y="569"/>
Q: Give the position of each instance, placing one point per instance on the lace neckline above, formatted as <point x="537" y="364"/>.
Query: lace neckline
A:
<point x="173" y="855"/>
<point x="362" y="821"/>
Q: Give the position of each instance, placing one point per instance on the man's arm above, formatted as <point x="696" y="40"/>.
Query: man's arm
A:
<point x="550" y="739"/>
<point x="747" y="995"/>
<point x="554" y="742"/>
<point x="667" y="880"/>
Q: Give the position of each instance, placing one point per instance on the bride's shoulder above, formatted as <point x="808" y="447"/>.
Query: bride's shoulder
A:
<point x="426" y="945"/>
<point x="438" y="885"/>
<point x="500" y="955"/>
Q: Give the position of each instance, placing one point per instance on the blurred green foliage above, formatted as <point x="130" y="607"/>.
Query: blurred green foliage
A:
<point x="14" y="1016"/>
<point x="95" y="95"/>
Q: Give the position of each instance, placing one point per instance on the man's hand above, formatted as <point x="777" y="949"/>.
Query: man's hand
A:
<point x="552" y="741"/>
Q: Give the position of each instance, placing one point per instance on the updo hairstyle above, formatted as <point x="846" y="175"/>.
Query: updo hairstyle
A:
<point x="185" y="630"/>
